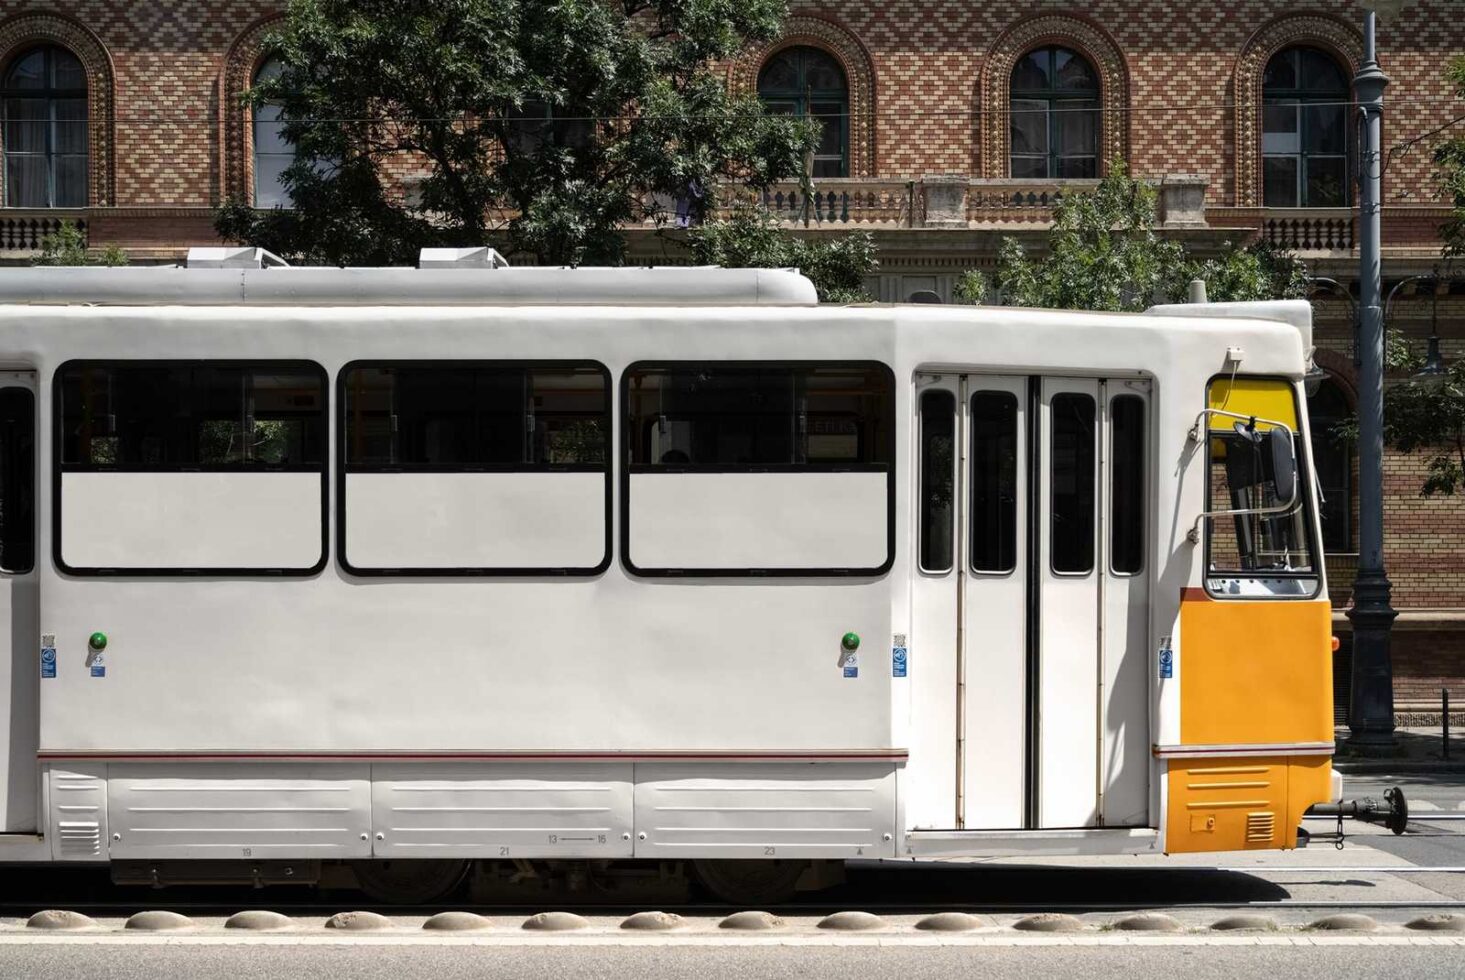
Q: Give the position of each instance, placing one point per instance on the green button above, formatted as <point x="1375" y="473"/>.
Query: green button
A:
<point x="97" y="641"/>
<point x="850" y="641"/>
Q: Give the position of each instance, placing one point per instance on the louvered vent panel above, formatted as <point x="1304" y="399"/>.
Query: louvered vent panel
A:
<point x="80" y="839"/>
<point x="78" y="818"/>
<point x="1260" y="827"/>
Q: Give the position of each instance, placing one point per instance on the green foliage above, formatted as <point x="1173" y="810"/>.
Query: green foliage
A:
<point x="970" y="288"/>
<point x="67" y="246"/>
<point x="1429" y="417"/>
<point x="1450" y="156"/>
<point x="541" y="125"/>
<point x="1104" y="253"/>
<point x="752" y="238"/>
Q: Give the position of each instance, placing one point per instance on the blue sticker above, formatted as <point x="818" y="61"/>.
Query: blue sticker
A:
<point x="851" y="671"/>
<point x="99" y="670"/>
<point x="1167" y="660"/>
<point x="48" y="661"/>
<point x="898" y="657"/>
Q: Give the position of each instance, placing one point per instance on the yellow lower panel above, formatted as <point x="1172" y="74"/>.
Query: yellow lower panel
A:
<point x="1241" y="804"/>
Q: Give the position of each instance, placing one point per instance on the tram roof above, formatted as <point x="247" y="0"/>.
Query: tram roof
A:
<point x="313" y="286"/>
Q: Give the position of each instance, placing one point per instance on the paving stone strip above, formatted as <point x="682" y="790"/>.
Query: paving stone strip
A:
<point x="653" y="921"/>
<point x="260" y="920"/>
<point x="359" y="921"/>
<point x="457" y="922"/>
<point x="852" y="922"/>
<point x="752" y="921"/>
<point x="555" y="922"/>
<point x="159" y="920"/>
<point x="1344" y="921"/>
<point x="1049" y="922"/>
<point x="58" y="919"/>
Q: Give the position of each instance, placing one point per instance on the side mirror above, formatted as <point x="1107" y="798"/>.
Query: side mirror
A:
<point x="1284" y="463"/>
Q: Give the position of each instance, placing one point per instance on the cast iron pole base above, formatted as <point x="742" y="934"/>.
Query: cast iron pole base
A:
<point x="1371" y="707"/>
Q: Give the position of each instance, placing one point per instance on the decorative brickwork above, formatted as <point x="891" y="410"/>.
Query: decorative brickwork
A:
<point x="994" y="94"/>
<point x="27" y="30"/>
<point x="1315" y="30"/>
<point x="237" y="156"/>
<point x="859" y="75"/>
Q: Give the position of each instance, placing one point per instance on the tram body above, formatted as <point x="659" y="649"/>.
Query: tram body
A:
<point x="351" y="565"/>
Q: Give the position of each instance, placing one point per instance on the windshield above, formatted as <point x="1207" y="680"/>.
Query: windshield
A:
<point x="1253" y="544"/>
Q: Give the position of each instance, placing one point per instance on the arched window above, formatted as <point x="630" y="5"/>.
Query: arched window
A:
<point x="44" y="92"/>
<point x="1305" y="103"/>
<point x="808" y="82"/>
<point x="1333" y="461"/>
<point x="1055" y="115"/>
<point x="272" y="151"/>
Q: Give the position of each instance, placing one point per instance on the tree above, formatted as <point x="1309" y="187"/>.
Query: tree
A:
<point x="542" y="125"/>
<point x="1104" y="253"/>
<point x="67" y="246"/>
<point x="751" y="238"/>
<point x="1428" y="416"/>
<point x="1451" y="159"/>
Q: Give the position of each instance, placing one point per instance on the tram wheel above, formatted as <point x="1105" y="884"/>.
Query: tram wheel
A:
<point x="408" y="882"/>
<point x="751" y="882"/>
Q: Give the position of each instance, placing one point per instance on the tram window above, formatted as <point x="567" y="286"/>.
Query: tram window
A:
<point x="938" y="476"/>
<point x="175" y="415"/>
<point x="475" y="416"/>
<point x="1071" y="532"/>
<point x="1253" y="544"/>
<point x="17" y="480"/>
<point x="994" y="481"/>
<point x="719" y="416"/>
<point x="1127" y="484"/>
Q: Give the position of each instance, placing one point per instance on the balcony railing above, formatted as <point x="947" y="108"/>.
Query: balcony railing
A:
<point x="1315" y="229"/>
<point x="25" y="231"/>
<point x="954" y="201"/>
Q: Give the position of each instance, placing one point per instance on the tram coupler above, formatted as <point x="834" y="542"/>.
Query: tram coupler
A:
<point x="1392" y="812"/>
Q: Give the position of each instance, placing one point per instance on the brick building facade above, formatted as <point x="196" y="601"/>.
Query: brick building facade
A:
<point x="933" y="102"/>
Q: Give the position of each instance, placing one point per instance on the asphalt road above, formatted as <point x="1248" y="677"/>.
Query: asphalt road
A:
<point x="1194" y="962"/>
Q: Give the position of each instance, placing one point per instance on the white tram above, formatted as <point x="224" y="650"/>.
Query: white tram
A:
<point x="402" y="569"/>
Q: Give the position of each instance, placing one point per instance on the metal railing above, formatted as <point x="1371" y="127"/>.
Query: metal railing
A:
<point x="24" y="231"/>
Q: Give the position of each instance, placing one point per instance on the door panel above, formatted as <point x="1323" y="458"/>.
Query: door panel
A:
<point x="1030" y="604"/>
<point x="19" y="605"/>
<point x="995" y="566"/>
<point x="1126" y="497"/>
<point x="1068" y="604"/>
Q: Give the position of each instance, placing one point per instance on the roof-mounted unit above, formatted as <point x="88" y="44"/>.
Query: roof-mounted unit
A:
<point x="232" y="257"/>
<point x="481" y="257"/>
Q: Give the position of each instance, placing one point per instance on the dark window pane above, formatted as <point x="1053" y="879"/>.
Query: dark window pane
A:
<point x="938" y="473"/>
<point x="67" y="72"/>
<point x="1326" y="128"/>
<point x="994" y="481"/>
<point x="1032" y="72"/>
<point x="1281" y="71"/>
<point x="821" y="72"/>
<point x="188" y="416"/>
<point x="26" y="184"/>
<point x="1127" y="484"/>
<point x="712" y="416"/>
<point x="1078" y="168"/>
<point x="1071" y="536"/>
<point x="1030" y="167"/>
<point x="1279" y="182"/>
<point x="471" y="416"/>
<point x="1281" y="128"/>
<point x="1320" y="72"/>
<point x="1029" y="127"/>
<point x="28" y="71"/>
<point x="17" y="480"/>
<point x="70" y="182"/>
<point x="1327" y="182"/>
<point x="1333" y="464"/>
<point x="1076" y="128"/>
<point x="1074" y="73"/>
<point x="781" y="74"/>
